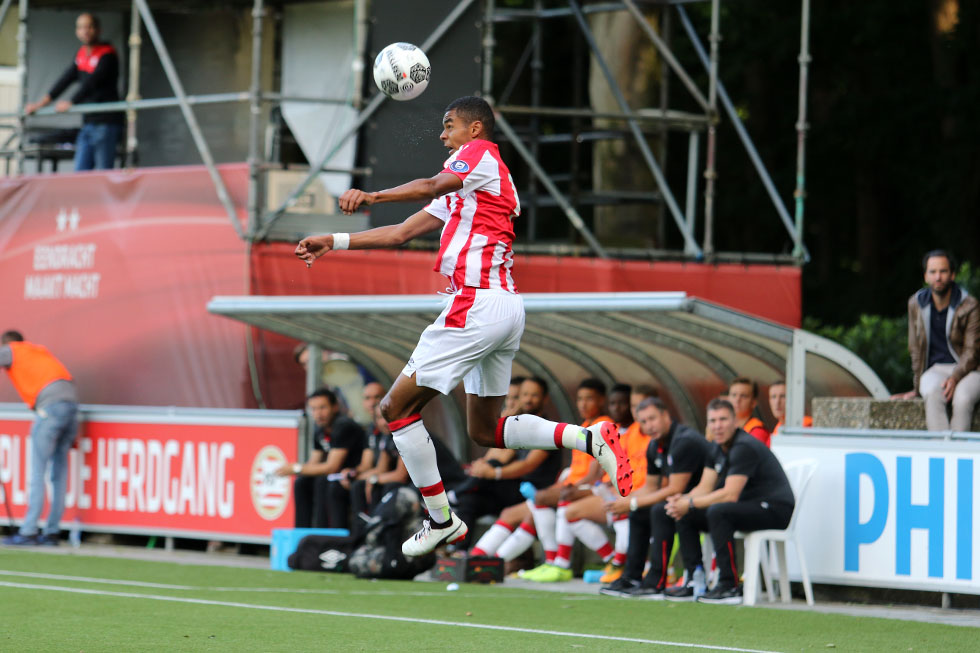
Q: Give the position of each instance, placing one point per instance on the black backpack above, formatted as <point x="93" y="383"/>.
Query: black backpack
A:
<point x="377" y="551"/>
<point x="397" y="517"/>
<point x="323" y="553"/>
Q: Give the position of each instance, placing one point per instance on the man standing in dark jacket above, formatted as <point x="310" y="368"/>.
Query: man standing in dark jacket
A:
<point x="944" y="345"/>
<point x="96" y="69"/>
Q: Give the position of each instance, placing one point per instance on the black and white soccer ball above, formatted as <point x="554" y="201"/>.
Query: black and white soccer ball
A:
<point x="402" y="71"/>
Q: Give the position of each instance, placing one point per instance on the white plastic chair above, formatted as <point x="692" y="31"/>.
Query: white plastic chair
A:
<point x="799" y="473"/>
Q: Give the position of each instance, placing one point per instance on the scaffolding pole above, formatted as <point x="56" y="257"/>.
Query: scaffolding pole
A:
<point x="658" y="175"/>
<point x="3" y="11"/>
<point x="536" y="67"/>
<point x="254" y="119"/>
<point x="710" y="172"/>
<point x="488" y="44"/>
<point x="690" y="207"/>
<point x="133" y="94"/>
<point x="185" y="108"/>
<point x="22" y="36"/>
<point x="799" y="195"/>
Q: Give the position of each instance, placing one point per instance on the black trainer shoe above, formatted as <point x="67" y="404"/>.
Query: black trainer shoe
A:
<point x="723" y="595"/>
<point x="683" y="593"/>
<point x="20" y="540"/>
<point x="648" y="593"/>
<point x="620" y="587"/>
<point x="48" y="539"/>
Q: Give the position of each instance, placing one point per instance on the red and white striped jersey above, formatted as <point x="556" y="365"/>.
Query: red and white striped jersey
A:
<point x="475" y="248"/>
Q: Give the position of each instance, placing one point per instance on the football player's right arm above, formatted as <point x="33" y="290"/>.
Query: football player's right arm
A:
<point x="413" y="191"/>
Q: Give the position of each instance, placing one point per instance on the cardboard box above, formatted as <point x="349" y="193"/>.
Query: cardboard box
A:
<point x="470" y="569"/>
<point x="313" y="200"/>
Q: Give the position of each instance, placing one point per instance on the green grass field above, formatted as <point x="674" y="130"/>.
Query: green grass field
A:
<point x="85" y="603"/>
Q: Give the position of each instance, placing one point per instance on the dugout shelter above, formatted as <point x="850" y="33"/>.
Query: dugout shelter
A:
<point x="688" y="348"/>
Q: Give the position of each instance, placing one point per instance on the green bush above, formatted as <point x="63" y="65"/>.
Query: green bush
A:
<point x="882" y="342"/>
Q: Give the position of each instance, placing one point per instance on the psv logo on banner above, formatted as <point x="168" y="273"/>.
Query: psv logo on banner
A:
<point x="270" y="492"/>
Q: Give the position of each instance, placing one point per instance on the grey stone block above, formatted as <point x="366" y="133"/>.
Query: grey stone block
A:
<point x="868" y="413"/>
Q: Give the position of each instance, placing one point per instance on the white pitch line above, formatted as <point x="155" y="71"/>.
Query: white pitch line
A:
<point x="85" y="579"/>
<point x="415" y="620"/>
<point x="204" y="588"/>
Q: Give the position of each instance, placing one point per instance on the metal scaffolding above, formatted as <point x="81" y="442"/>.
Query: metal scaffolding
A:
<point x="526" y="142"/>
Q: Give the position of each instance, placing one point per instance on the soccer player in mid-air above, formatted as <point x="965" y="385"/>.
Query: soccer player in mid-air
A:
<point x="474" y="203"/>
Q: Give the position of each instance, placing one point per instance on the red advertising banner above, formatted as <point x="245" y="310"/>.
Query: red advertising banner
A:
<point x="167" y="474"/>
<point x="112" y="272"/>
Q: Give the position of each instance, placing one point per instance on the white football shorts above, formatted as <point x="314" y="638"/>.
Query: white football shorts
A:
<point x="473" y="340"/>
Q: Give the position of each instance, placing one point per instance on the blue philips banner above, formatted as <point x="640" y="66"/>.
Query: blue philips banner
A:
<point x="890" y="512"/>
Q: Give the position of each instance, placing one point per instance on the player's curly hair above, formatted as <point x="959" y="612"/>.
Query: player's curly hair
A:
<point x="471" y="108"/>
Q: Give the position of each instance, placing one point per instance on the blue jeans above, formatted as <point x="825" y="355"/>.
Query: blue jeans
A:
<point x="51" y="437"/>
<point x="95" y="148"/>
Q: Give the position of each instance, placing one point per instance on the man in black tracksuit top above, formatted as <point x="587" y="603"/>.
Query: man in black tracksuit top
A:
<point x="743" y="488"/>
<point x="338" y="442"/>
<point x="678" y="453"/>
<point x="96" y="69"/>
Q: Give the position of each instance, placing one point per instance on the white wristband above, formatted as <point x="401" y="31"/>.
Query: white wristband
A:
<point x="634" y="504"/>
<point x="297" y="467"/>
<point x="341" y="241"/>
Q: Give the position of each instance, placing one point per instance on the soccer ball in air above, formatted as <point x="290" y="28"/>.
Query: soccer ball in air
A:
<point x="402" y="71"/>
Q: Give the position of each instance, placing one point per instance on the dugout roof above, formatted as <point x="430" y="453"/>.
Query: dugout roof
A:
<point x="688" y="348"/>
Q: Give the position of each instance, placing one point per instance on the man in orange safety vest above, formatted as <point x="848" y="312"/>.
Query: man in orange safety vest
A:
<point x="48" y="389"/>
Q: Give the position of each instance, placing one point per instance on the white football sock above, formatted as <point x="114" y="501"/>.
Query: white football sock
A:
<point x="544" y="523"/>
<point x="622" y="529"/>
<point x="519" y="541"/>
<point x="592" y="536"/>
<point x="415" y="446"/>
<point x="533" y="432"/>
<point x="564" y="537"/>
<point x="492" y="539"/>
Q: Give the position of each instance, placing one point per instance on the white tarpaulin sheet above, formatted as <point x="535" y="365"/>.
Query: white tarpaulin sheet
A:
<point x="318" y="59"/>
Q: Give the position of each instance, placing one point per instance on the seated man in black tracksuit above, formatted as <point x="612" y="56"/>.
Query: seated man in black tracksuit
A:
<point x="678" y="453"/>
<point x="338" y="442"/>
<point x="743" y="488"/>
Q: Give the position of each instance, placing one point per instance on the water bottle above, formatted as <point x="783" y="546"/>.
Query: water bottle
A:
<point x="699" y="581"/>
<point x="75" y="534"/>
<point x="604" y="492"/>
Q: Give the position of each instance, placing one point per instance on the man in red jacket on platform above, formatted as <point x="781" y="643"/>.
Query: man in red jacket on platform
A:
<point x="48" y="389"/>
<point x="95" y="68"/>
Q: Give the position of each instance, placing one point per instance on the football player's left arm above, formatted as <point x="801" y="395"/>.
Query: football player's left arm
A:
<point x="394" y="235"/>
<point x="413" y="191"/>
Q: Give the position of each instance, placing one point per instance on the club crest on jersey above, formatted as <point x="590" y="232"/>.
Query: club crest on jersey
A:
<point x="459" y="166"/>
